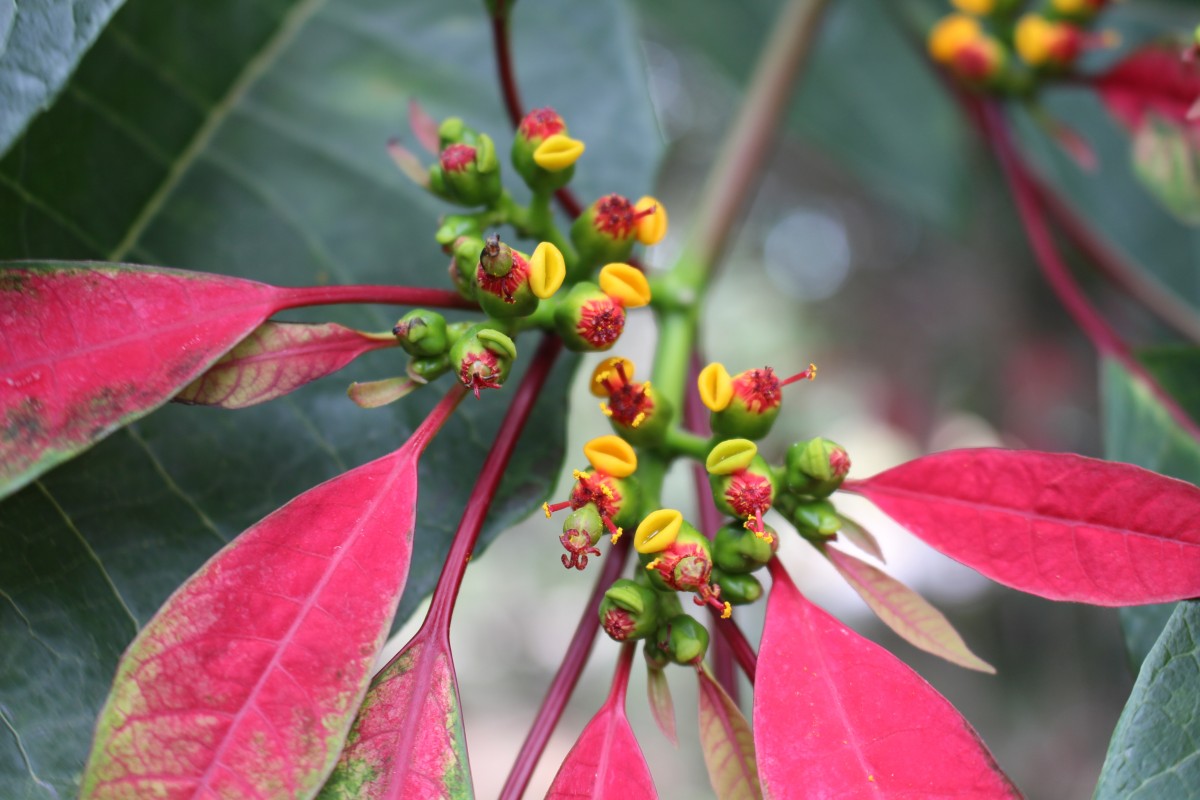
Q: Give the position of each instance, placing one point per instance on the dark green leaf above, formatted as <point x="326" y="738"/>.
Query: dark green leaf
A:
<point x="249" y="139"/>
<point x="1139" y="431"/>
<point x="40" y="44"/>
<point x="1167" y="161"/>
<point x="1153" y="754"/>
<point x="863" y="79"/>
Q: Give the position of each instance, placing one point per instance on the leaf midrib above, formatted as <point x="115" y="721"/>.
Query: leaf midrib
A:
<point x="254" y="69"/>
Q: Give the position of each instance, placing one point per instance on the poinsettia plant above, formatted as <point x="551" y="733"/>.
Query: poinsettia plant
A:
<point x="231" y="648"/>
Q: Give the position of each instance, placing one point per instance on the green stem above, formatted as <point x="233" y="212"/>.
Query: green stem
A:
<point x="679" y="442"/>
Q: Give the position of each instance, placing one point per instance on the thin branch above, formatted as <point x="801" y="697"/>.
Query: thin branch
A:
<point x="743" y="651"/>
<point x="1032" y="212"/>
<point x="563" y="685"/>
<point x="510" y="91"/>
<point x="300" y="297"/>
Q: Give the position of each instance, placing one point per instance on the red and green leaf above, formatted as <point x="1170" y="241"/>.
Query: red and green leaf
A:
<point x="278" y="358"/>
<point x="905" y="611"/>
<point x="838" y="716"/>
<point x="408" y="738"/>
<point x="727" y="743"/>
<point x="1059" y="526"/>
<point x="606" y="762"/>
<point x="861" y="538"/>
<point x="662" y="707"/>
<point x="1153" y="93"/>
<point x="89" y="348"/>
<point x="246" y="681"/>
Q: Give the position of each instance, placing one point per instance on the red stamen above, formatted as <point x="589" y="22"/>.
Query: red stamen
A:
<point x="616" y="216"/>
<point x="550" y="509"/>
<point x="505" y="286"/>
<point x="457" y="157"/>
<point x="807" y="374"/>
<point x="541" y="123"/>
<point x="601" y="322"/>
<point x="749" y="495"/>
<point x="630" y="405"/>
<point x="480" y="371"/>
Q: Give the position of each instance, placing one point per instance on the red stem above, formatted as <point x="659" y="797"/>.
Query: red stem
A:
<point x="446" y="591"/>
<point x="1124" y="274"/>
<point x="743" y="651"/>
<point x="1058" y="275"/>
<point x="695" y="419"/>
<point x="620" y="681"/>
<point x="511" y="92"/>
<point x="565" y="679"/>
<point x="301" y="296"/>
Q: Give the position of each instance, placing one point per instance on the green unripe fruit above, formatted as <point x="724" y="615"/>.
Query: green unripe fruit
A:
<point x="816" y="468"/>
<point x="629" y="611"/>
<point x="683" y="640"/>
<point x="422" y="333"/>
<point x="739" y="590"/>
<point x="737" y="550"/>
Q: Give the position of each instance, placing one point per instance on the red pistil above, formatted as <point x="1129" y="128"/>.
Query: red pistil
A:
<point x="505" y="286"/>
<point x="839" y="462"/>
<point x="601" y="322"/>
<point x="617" y="217"/>
<point x="579" y="545"/>
<point x="688" y="568"/>
<point x="618" y="624"/>
<point x="541" y="123"/>
<point x="749" y="495"/>
<point x="759" y="389"/>
<point x="596" y="488"/>
<point x="629" y="405"/>
<point x="457" y="157"/>
<point x="480" y="371"/>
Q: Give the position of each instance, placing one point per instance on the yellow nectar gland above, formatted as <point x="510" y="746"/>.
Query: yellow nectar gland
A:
<point x="547" y="270"/>
<point x="715" y="387"/>
<point x="950" y="35"/>
<point x="658" y="531"/>
<point x="651" y="228"/>
<point x="980" y="8"/>
<point x="625" y="284"/>
<point x="558" y="152"/>
<point x="730" y="456"/>
<point x="611" y="455"/>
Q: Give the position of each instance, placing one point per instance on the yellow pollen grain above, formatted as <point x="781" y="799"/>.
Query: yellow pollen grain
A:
<point x="812" y="371"/>
<point x="616" y="536"/>
<point x="605" y="410"/>
<point x="579" y="475"/>
<point x="546" y="509"/>
<point x="728" y="612"/>
<point x="639" y="419"/>
<point x="607" y="492"/>
<point x="653" y="564"/>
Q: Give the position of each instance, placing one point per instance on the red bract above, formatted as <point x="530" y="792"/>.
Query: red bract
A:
<point x="1154" y="79"/>
<point x="87" y="349"/>
<point x="837" y="716"/>
<point x="278" y="358"/>
<point x="245" y="682"/>
<point x="606" y="762"/>
<point x="1059" y="526"/>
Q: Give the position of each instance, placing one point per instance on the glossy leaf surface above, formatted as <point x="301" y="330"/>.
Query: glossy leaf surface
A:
<point x="278" y="358"/>
<point x="40" y="44"/>
<point x="1138" y="430"/>
<point x="246" y="681"/>
<point x="606" y="762"/>
<point x="727" y="743"/>
<point x="250" y="139"/>
<point x="1059" y="526"/>
<point x="1153" y="750"/>
<point x="90" y="348"/>
<point x="408" y="739"/>
<point x="837" y="716"/>
<point x="905" y="611"/>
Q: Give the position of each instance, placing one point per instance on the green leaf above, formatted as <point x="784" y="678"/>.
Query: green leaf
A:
<point x="923" y="165"/>
<point x="40" y="44"/>
<point x="1138" y="430"/>
<point x="1153" y="751"/>
<point x="250" y="139"/>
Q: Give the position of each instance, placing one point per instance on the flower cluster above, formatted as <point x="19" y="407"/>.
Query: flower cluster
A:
<point x="1005" y="47"/>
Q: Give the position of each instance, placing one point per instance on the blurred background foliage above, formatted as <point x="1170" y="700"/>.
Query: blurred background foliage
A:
<point x="881" y="245"/>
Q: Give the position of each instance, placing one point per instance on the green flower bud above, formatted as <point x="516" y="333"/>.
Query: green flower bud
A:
<point x="538" y="126"/>
<point x="815" y="519"/>
<point x="581" y="531"/>
<point x="482" y="358"/>
<point x="737" y="550"/>
<point x="422" y="333"/>
<point x="746" y="493"/>
<point x="454" y="227"/>
<point x="629" y="611"/>
<point x="452" y="131"/>
<point x="424" y="370"/>
<point x="751" y="407"/>
<point x="738" y="589"/>
<point x="682" y="639"/>
<point x="816" y="468"/>
<point x="502" y="281"/>
<point x="606" y="231"/>
<point x="466" y="174"/>
<point x="587" y="319"/>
